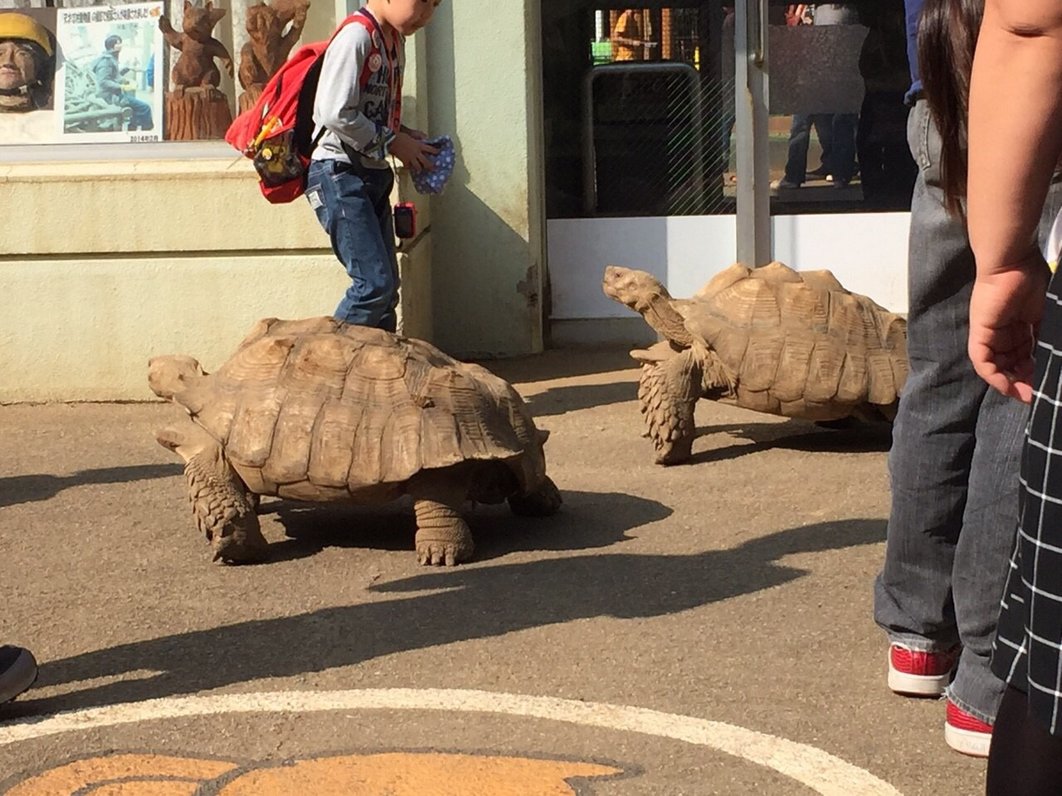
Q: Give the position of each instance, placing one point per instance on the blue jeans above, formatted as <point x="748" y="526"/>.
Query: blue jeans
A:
<point x="954" y="460"/>
<point x="141" y="116"/>
<point x="837" y="133"/>
<point x="353" y="204"/>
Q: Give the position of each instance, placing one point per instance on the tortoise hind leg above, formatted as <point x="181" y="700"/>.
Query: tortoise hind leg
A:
<point x="220" y="504"/>
<point x="443" y="537"/>
<point x="668" y="391"/>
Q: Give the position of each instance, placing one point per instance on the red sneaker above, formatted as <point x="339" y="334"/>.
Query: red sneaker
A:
<point x="914" y="673"/>
<point x="965" y="733"/>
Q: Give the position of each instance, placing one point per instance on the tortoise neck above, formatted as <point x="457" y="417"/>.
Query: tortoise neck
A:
<point x="665" y="319"/>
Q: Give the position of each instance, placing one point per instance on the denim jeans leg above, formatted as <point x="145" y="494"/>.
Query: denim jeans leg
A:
<point x="954" y="459"/>
<point x="843" y="154"/>
<point x="823" y="123"/>
<point x="935" y="427"/>
<point x="349" y="205"/>
<point x="796" y="164"/>
<point x="385" y="218"/>
<point x="141" y="116"/>
<point x="989" y="526"/>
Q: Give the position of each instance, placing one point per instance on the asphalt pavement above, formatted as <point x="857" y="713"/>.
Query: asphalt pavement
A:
<point x="699" y="629"/>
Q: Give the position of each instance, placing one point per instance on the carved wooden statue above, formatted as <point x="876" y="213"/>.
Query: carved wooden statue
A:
<point x="195" y="108"/>
<point x="269" y="44"/>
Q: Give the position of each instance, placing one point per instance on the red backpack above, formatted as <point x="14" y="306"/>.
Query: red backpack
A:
<point x="276" y="132"/>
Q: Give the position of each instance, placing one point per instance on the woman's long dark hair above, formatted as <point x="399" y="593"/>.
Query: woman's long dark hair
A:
<point x="947" y="36"/>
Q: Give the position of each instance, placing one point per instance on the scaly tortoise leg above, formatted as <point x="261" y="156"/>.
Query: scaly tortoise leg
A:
<point x="220" y="504"/>
<point x="443" y="537"/>
<point x="668" y="391"/>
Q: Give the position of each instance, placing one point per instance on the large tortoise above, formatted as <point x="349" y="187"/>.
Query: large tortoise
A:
<point x="319" y="410"/>
<point x="770" y="339"/>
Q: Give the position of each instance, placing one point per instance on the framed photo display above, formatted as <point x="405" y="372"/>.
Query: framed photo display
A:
<point x="109" y="86"/>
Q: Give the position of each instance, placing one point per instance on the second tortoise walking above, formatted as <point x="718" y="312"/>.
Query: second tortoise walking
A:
<point x="771" y="339"/>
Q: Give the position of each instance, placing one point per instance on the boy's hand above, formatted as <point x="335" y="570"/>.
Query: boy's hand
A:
<point x="414" y="153"/>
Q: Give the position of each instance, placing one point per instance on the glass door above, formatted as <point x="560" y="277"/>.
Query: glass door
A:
<point x="682" y="135"/>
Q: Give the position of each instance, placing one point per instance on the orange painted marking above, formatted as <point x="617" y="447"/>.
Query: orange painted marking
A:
<point x="400" y="774"/>
<point x="185" y="774"/>
<point x="396" y="774"/>
<point x="170" y="787"/>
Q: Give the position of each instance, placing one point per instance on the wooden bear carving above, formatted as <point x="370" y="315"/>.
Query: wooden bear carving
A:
<point x="196" y="109"/>
<point x="269" y="44"/>
<point x="195" y="67"/>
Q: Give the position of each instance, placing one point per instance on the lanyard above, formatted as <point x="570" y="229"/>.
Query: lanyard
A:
<point x="394" y="76"/>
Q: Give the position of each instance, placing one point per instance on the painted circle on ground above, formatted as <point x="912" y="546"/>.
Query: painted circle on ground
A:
<point x="812" y="767"/>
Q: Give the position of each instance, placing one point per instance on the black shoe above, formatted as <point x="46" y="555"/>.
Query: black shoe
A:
<point x="821" y="173"/>
<point x="785" y="184"/>
<point x="18" y="671"/>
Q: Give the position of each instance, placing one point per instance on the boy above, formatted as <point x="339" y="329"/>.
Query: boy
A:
<point x="349" y="180"/>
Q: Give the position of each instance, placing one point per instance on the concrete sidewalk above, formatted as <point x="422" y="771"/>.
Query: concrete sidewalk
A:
<point x="723" y="608"/>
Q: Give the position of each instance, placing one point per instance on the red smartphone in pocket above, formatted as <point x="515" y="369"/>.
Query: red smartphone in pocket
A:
<point x="405" y="220"/>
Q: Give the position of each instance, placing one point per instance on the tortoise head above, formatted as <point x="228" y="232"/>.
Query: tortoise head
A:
<point x="169" y="376"/>
<point x="632" y="288"/>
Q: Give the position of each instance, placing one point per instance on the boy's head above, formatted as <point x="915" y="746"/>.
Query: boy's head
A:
<point x="405" y="16"/>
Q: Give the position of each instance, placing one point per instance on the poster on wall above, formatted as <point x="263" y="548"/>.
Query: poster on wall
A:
<point x="107" y="87"/>
<point x="27" y="77"/>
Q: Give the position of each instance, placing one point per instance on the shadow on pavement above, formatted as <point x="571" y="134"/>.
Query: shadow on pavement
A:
<point x="795" y="435"/>
<point x="587" y="520"/>
<point x="562" y="363"/>
<point x="558" y="400"/>
<point x="473" y="602"/>
<point x="43" y="486"/>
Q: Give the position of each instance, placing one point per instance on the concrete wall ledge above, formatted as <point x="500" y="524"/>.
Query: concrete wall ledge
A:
<point x="237" y="167"/>
<point x="146" y="206"/>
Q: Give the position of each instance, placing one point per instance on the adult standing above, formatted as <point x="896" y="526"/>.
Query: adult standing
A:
<point x="956" y="445"/>
<point x="629" y="40"/>
<point x="1016" y="96"/>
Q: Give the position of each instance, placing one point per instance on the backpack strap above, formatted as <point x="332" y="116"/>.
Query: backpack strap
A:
<point x="367" y="21"/>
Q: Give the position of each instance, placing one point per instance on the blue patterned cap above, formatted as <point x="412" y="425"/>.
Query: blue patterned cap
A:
<point x="434" y="180"/>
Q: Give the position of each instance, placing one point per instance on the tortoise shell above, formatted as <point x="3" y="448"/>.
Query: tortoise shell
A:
<point x="797" y="343"/>
<point x="321" y="410"/>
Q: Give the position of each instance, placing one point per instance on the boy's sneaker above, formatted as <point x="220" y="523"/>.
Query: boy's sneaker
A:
<point x="965" y="733"/>
<point x="18" y="670"/>
<point x="925" y="674"/>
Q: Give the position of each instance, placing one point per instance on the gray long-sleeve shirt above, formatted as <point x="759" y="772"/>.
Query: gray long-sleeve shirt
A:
<point x="359" y="117"/>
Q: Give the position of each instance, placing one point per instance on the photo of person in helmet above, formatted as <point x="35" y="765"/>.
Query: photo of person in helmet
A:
<point x="27" y="64"/>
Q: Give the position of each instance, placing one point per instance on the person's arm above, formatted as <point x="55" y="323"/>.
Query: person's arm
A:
<point x="105" y="77"/>
<point x="794" y="14"/>
<point x="1015" y="140"/>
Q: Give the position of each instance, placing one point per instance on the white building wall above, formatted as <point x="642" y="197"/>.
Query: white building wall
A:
<point x="866" y="251"/>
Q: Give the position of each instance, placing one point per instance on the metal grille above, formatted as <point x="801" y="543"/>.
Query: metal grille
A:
<point x="656" y="114"/>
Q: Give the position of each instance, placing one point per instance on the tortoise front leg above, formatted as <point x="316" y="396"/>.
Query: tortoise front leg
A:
<point x="223" y="513"/>
<point x="443" y="537"/>
<point x="668" y="391"/>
